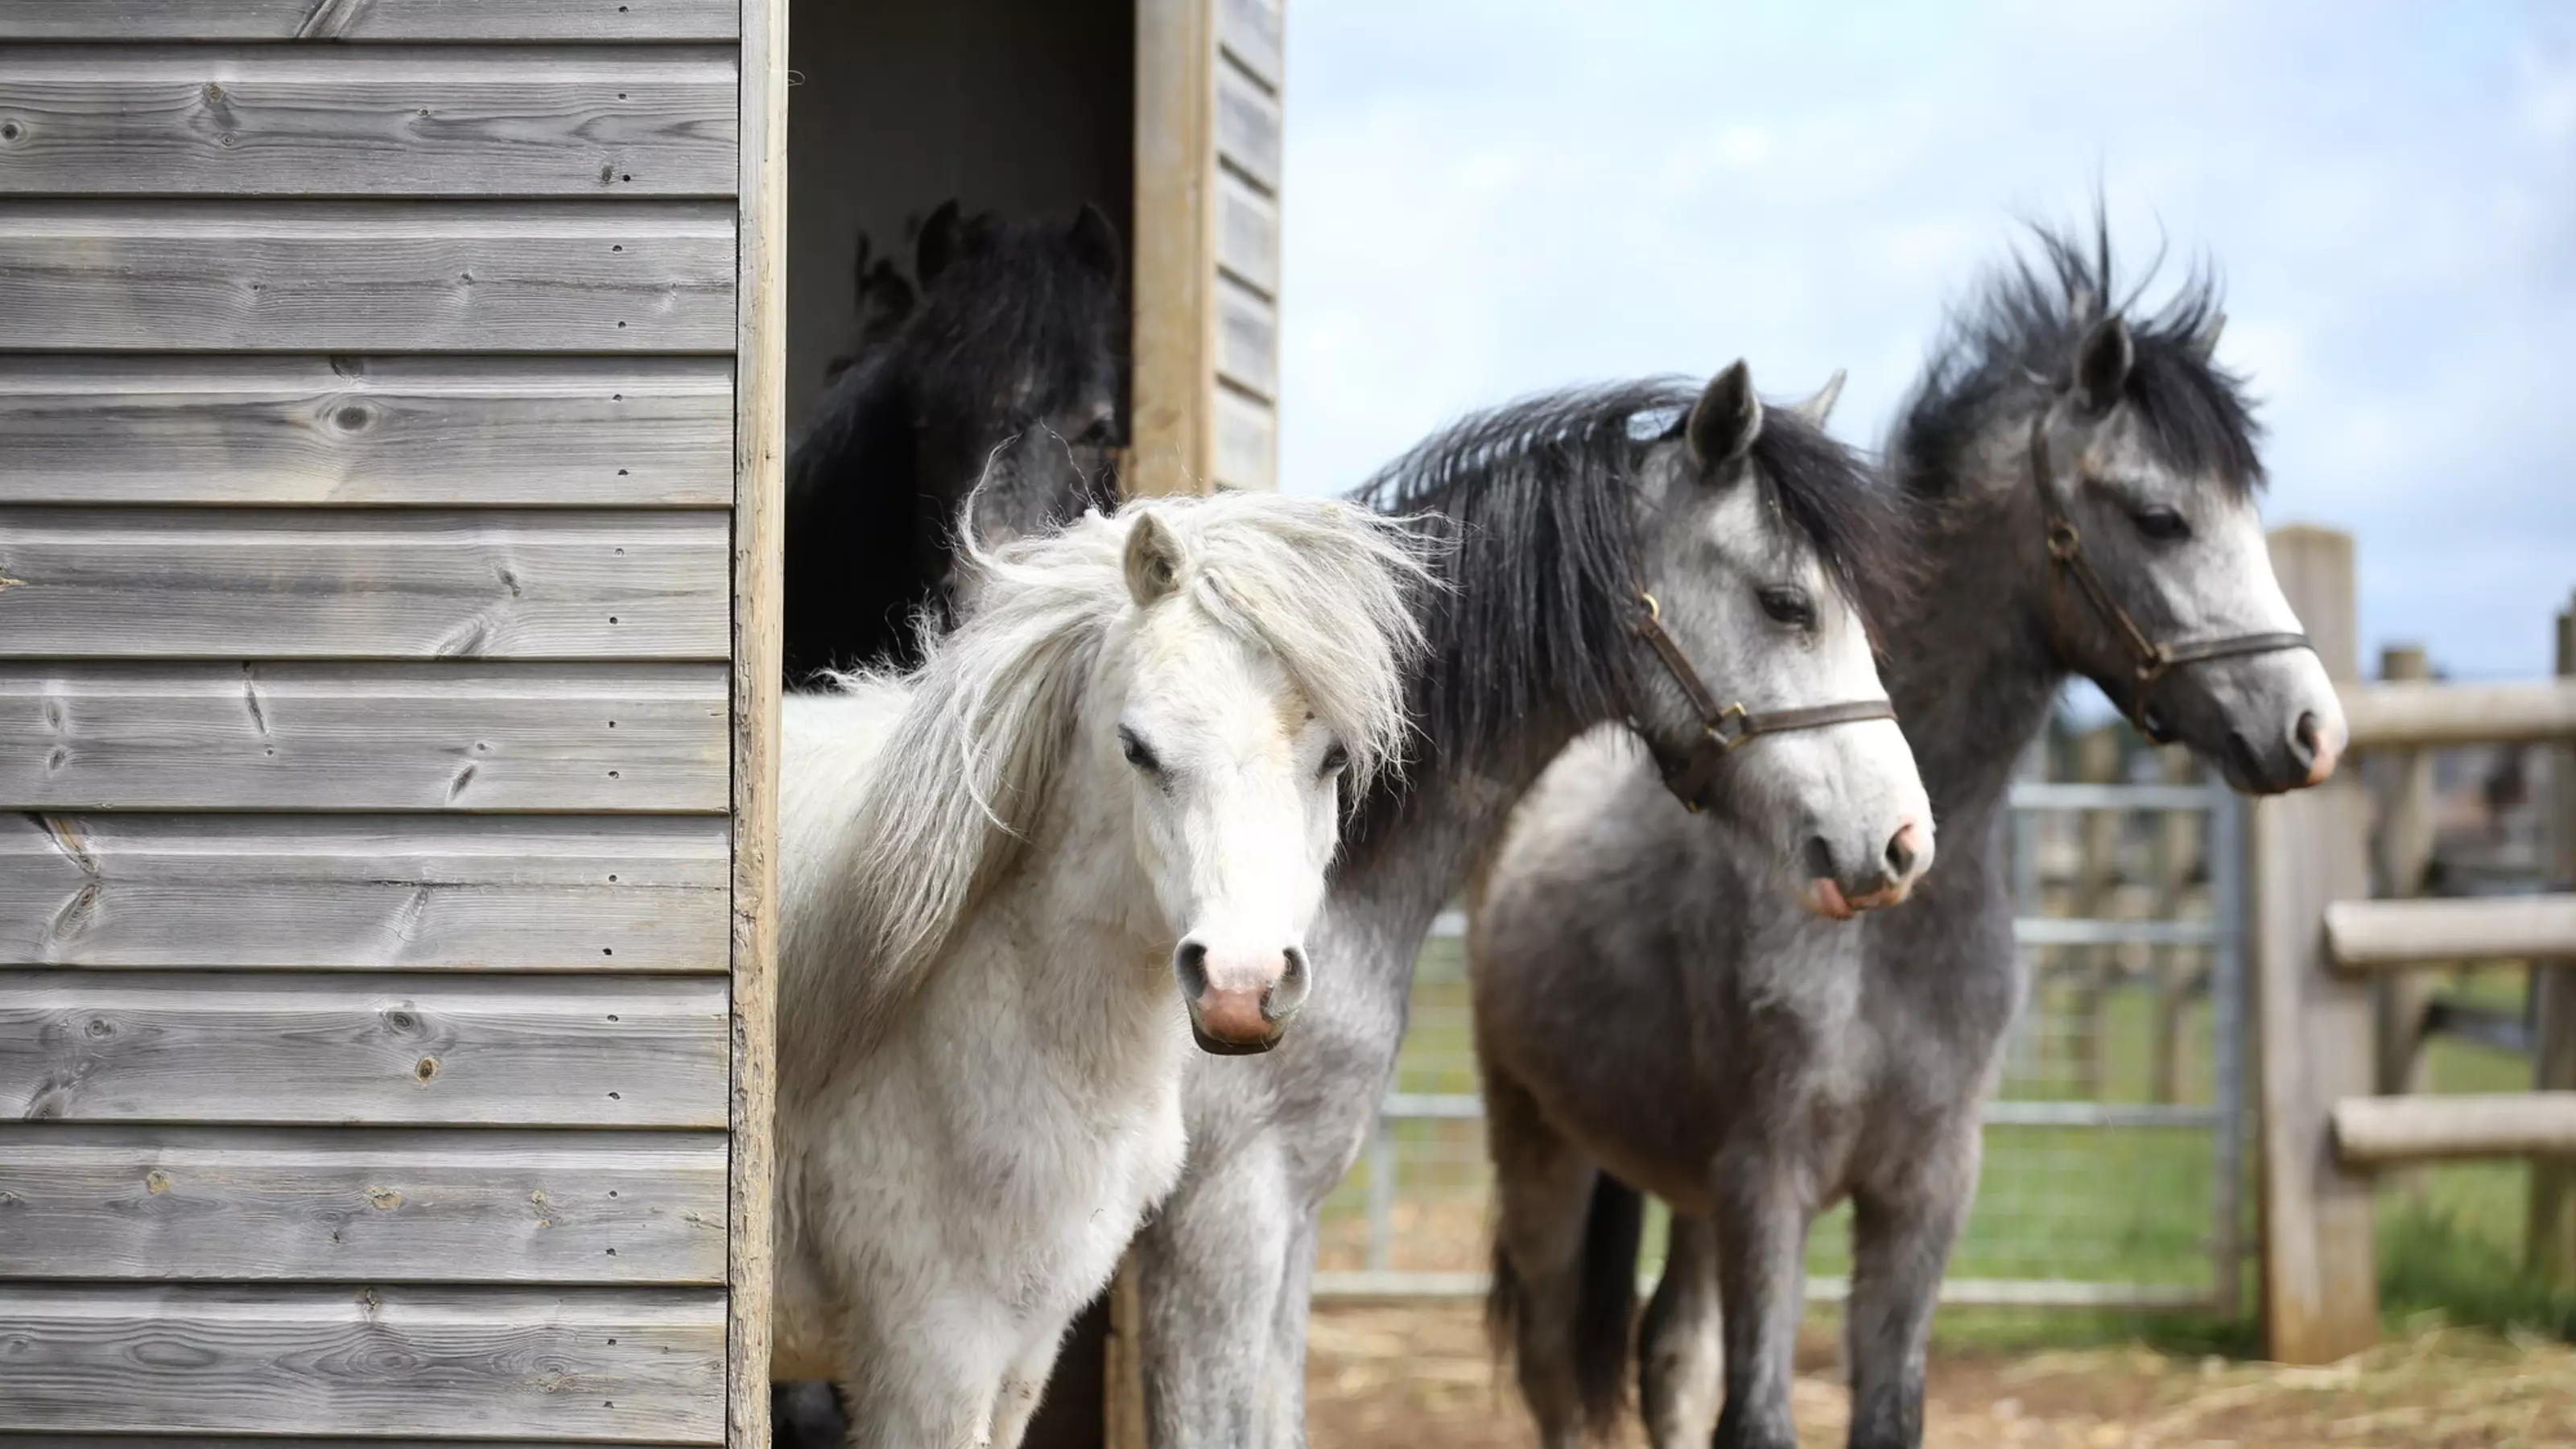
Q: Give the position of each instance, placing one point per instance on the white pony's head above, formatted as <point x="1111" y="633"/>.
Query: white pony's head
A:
<point x="1173" y="697"/>
<point x="1260" y="670"/>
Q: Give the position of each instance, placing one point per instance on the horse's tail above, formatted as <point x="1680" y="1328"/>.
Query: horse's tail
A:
<point x="1605" y="1304"/>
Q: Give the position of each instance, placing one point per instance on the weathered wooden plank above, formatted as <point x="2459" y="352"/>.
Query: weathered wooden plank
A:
<point x="760" y="505"/>
<point x="2460" y="714"/>
<point x="1251" y="33"/>
<point x="595" y="1364"/>
<point x="372" y="121"/>
<point x="1247" y="127"/>
<point x="1247" y="344"/>
<point x="381" y="20"/>
<point x="2373" y="1131"/>
<point x="597" y="738"/>
<point x="1247" y="441"/>
<point x="304" y="583"/>
<point x="1172" y="344"/>
<point x="186" y="276"/>
<point x="270" y="1204"/>
<point x="2549" y="1226"/>
<point x="138" y="1441"/>
<point x="374" y="1050"/>
<point x="460" y="431"/>
<point x="368" y="892"/>
<point x="1247" y="234"/>
<point x="2393" y="935"/>
<point x="2313" y="1031"/>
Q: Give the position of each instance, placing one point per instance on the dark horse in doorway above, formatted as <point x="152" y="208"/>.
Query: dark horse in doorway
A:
<point x="1649" y="1018"/>
<point x="994" y="372"/>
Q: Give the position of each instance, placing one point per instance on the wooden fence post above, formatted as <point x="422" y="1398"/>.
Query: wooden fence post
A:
<point x="2551" y="1247"/>
<point x="2313" y="1031"/>
<point x="2403" y="847"/>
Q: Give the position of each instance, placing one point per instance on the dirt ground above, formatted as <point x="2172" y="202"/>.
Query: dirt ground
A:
<point x="1417" y="1376"/>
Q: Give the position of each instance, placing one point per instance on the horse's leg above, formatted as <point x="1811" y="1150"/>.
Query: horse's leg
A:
<point x="1681" y="1358"/>
<point x="1543" y="1189"/>
<point x="1025" y="1384"/>
<point x="1208" y="1283"/>
<point x="1761" y="1232"/>
<point x="1281" y="1419"/>
<point x="1902" y="1229"/>
<point x="925" y="1380"/>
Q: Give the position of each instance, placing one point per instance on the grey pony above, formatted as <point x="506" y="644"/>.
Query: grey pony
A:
<point x="1648" y="1018"/>
<point x="1565" y="508"/>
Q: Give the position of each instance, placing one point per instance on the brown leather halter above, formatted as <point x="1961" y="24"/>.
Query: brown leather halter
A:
<point x="1688" y="773"/>
<point x="2150" y="661"/>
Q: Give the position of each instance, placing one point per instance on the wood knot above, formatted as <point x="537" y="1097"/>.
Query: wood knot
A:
<point x="426" y="1068"/>
<point x="352" y="418"/>
<point x="98" y="1027"/>
<point x="156" y="1181"/>
<point x="384" y="1198"/>
<point x="11" y="130"/>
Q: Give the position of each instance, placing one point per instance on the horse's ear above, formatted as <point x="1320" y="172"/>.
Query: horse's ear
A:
<point x="2204" y="343"/>
<point x="2102" y="364"/>
<point x="1725" y="420"/>
<point x="885" y="299"/>
<point x="942" y="237"/>
<point x="1815" y="410"/>
<point x="1095" y="242"/>
<point x="1154" y="560"/>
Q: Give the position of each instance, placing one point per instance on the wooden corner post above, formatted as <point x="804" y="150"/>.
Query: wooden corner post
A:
<point x="2552" y="1242"/>
<point x="759" y="462"/>
<point x="2313" y="1032"/>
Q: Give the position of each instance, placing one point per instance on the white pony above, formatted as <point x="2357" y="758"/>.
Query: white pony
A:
<point x="1017" y="883"/>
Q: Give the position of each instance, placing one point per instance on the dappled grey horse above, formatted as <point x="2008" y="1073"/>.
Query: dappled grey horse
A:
<point x="1649" y="1017"/>
<point x="1648" y="553"/>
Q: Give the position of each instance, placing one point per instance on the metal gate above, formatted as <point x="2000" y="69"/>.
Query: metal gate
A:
<point x="2113" y="1172"/>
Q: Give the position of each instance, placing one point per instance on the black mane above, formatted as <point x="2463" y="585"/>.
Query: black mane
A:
<point x="1535" y="497"/>
<point x="2016" y="338"/>
<point x="1012" y="322"/>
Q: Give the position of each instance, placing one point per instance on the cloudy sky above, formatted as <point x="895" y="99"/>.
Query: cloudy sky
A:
<point x="1484" y="197"/>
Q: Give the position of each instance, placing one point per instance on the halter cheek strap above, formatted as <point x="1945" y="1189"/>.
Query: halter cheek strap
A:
<point x="1688" y="773"/>
<point x="2150" y="661"/>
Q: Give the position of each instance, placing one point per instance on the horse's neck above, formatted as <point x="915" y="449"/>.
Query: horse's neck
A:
<point x="1450" y="819"/>
<point x="1970" y="667"/>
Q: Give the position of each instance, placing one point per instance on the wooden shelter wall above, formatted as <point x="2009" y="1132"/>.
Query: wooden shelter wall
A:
<point x="368" y="460"/>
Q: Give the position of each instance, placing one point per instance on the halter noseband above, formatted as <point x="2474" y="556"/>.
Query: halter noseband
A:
<point x="2151" y="661"/>
<point x="1688" y="773"/>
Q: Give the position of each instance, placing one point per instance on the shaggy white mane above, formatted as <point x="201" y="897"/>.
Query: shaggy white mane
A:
<point x="907" y="797"/>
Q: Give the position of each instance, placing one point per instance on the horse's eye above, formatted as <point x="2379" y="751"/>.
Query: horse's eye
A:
<point x="1136" y="752"/>
<point x="1336" y="760"/>
<point x="2164" y="525"/>
<point x="1102" y="433"/>
<point x="1790" y="606"/>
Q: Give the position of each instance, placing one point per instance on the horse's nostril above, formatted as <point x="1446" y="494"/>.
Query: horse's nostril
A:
<point x="1901" y="851"/>
<point x="2303" y="741"/>
<point x="1189" y="963"/>
<point x="1820" y="859"/>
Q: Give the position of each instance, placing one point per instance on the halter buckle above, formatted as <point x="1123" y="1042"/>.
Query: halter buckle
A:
<point x="2064" y="543"/>
<point x="1731" y="727"/>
